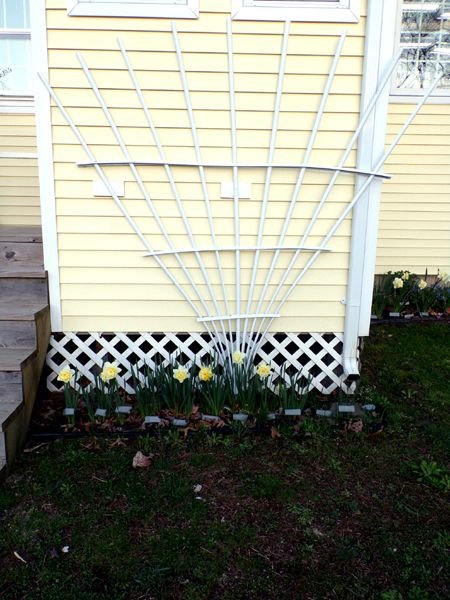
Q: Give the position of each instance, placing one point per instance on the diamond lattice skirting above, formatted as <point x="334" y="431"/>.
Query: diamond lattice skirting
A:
<point x="316" y="355"/>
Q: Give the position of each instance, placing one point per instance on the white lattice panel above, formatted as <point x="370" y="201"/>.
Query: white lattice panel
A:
<point x="315" y="355"/>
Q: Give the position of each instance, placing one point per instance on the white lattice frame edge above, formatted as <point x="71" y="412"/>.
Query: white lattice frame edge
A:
<point x="326" y="381"/>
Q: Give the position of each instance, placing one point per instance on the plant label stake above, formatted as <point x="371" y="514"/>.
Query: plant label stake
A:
<point x="152" y="420"/>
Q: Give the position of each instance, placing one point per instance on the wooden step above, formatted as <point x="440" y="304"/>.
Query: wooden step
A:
<point x="16" y="310"/>
<point x="19" y="323"/>
<point x="26" y="289"/>
<point x="11" y="392"/>
<point x="19" y="259"/>
<point x="8" y="411"/>
<point x="20" y="233"/>
<point x="14" y="359"/>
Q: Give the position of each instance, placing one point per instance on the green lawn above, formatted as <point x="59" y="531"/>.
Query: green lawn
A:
<point x="323" y="516"/>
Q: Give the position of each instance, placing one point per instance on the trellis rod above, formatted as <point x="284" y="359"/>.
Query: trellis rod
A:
<point x="301" y="175"/>
<point x="236" y="317"/>
<point x="385" y="80"/>
<point x="355" y="199"/>
<point x="234" y="158"/>
<point x="164" y="162"/>
<point x="142" y="187"/>
<point x="195" y="139"/>
<point x="268" y="178"/>
<point x="238" y="248"/>
<point x="229" y="165"/>
<point x="114" y="196"/>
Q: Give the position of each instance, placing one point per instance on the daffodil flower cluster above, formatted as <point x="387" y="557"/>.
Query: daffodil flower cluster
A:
<point x="109" y="371"/>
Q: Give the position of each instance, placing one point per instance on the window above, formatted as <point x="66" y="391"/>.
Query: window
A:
<point x="297" y="10"/>
<point x="15" y="48"/>
<point x="425" y="44"/>
<point x="181" y="9"/>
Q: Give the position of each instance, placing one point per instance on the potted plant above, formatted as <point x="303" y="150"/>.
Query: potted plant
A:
<point x="147" y="389"/>
<point x="293" y="396"/>
<point x="178" y="392"/>
<point x="67" y="375"/>
<point x="244" y="388"/>
<point x="214" y="388"/>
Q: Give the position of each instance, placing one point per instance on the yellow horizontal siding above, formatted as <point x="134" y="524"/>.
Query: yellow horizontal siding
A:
<point x="414" y="230"/>
<point x="106" y="282"/>
<point x="19" y="186"/>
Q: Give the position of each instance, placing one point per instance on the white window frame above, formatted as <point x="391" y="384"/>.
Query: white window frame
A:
<point x="408" y="95"/>
<point x="16" y="101"/>
<point x="175" y="9"/>
<point x="337" y="11"/>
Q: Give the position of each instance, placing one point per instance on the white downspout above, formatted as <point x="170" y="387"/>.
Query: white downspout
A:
<point x="379" y="50"/>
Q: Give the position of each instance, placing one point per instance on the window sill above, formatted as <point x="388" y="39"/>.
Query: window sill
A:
<point x="318" y="15"/>
<point x="14" y="103"/>
<point x="415" y="98"/>
<point x="77" y="8"/>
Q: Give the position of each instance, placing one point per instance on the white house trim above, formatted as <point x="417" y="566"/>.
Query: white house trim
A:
<point x="380" y="47"/>
<point x="14" y="103"/>
<point x="45" y="160"/>
<point x="337" y="11"/>
<point x="174" y="9"/>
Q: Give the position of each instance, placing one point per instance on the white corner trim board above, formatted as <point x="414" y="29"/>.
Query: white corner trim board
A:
<point x="45" y="162"/>
<point x="174" y="9"/>
<point x="332" y="11"/>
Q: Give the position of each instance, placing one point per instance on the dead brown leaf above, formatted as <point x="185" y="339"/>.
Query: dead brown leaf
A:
<point x="91" y="445"/>
<point x="274" y="433"/>
<point x="118" y="443"/>
<point x="140" y="461"/>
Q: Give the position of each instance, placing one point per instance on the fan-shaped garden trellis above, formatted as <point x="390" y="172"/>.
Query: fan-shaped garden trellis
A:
<point x="237" y="315"/>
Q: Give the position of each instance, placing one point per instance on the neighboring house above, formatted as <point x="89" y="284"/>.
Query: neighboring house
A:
<point x="197" y="141"/>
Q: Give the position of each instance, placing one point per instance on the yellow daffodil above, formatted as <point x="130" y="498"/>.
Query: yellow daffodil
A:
<point x="238" y="357"/>
<point x="205" y="374"/>
<point x="110" y="371"/>
<point x="397" y="283"/>
<point x="405" y="276"/>
<point x="180" y="374"/>
<point x="66" y="374"/>
<point x="263" y="370"/>
<point x="422" y="284"/>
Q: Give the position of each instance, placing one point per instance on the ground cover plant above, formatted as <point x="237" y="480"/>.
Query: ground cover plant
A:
<point x="310" y="514"/>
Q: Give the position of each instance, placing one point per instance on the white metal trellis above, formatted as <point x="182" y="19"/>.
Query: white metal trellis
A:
<point x="227" y="328"/>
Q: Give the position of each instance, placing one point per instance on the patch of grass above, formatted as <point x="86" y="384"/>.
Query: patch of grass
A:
<point x="326" y="516"/>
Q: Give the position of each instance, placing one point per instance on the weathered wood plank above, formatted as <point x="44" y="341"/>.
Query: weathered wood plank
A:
<point x="18" y="310"/>
<point x="8" y="411"/>
<point x="13" y="359"/>
<point x="21" y="255"/>
<point x="22" y="234"/>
